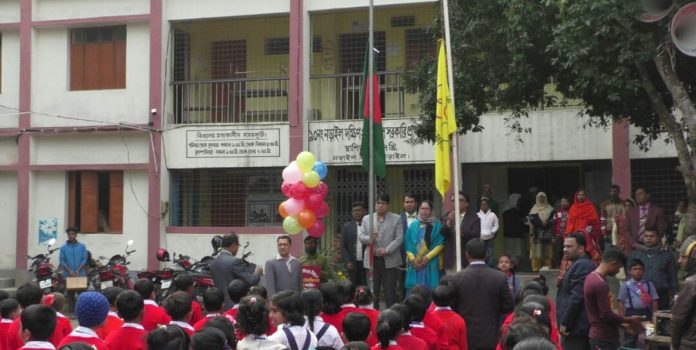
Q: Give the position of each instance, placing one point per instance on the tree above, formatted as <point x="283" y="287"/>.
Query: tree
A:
<point x="508" y="53"/>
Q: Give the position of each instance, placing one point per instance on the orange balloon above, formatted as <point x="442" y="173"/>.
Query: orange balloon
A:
<point x="306" y="218"/>
<point x="281" y="210"/>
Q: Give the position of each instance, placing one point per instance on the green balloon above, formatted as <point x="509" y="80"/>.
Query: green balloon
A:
<point x="291" y="226"/>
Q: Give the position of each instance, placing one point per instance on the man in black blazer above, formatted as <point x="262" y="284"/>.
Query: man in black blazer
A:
<point x="470" y="228"/>
<point x="227" y="267"/>
<point x="570" y="300"/>
<point x="352" y="251"/>
<point x="483" y="298"/>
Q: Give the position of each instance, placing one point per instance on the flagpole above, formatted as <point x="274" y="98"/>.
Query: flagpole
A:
<point x="455" y="138"/>
<point x="371" y="172"/>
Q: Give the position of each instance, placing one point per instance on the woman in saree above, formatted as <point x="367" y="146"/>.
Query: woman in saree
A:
<point x="424" y="245"/>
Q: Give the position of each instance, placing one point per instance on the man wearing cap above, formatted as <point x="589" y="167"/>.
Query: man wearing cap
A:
<point x="91" y="310"/>
<point x="312" y="258"/>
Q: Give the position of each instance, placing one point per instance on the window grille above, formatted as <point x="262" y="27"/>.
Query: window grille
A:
<point x="661" y="178"/>
<point x="403" y="21"/>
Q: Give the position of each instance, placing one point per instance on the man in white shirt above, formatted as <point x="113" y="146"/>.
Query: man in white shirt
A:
<point x="285" y="271"/>
<point x="489" y="227"/>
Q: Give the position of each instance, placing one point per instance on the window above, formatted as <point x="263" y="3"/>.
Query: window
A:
<point x="225" y="197"/>
<point x="98" y="58"/>
<point x="277" y="46"/>
<point x="95" y="201"/>
<point x="420" y="45"/>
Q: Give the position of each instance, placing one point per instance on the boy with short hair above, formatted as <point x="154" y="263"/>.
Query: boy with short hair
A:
<point x="356" y="327"/>
<point x="91" y="309"/>
<point x="9" y="310"/>
<point x="184" y="283"/>
<point x="27" y="294"/>
<point x="236" y="290"/>
<point x="131" y="335"/>
<point x="637" y="297"/>
<point x="455" y="326"/>
<point x="417" y="308"/>
<point x="178" y="307"/>
<point x="57" y="303"/>
<point x="213" y="300"/>
<point x="38" y="324"/>
<point x="153" y="314"/>
<point x="113" y="322"/>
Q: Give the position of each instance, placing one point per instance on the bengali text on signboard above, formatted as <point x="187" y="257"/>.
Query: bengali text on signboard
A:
<point x="231" y="143"/>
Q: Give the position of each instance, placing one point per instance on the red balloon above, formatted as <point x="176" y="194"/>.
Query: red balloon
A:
<point x="323" y="210"/>
<point x="285" y="188"/>
<point x="313" y="201"/>
<point x="323" y="189"/>
<point x="298" y="190"/>
<point x="316" y="230"/>
<point x="306" y="218"/>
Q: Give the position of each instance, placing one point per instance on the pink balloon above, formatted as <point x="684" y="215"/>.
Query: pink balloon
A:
<point x="298" y="190"/>
<point x="313" y="201"/>
<point x="285" y="188"/>
<point x="323" y="189"/>
<point x="294" y="206"/>
<point x="292" y="174"/>
<point x="322" y="211"/>
<point x="316" y="230"/>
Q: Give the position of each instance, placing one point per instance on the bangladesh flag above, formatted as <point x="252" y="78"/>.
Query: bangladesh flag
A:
<point x="379" y="157"/>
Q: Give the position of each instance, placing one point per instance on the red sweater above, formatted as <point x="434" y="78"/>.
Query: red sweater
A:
<point x="201" y="324"/>
<point x="392" y="346"/>
<point x="63" y="325"/>
<point x="38" y="345"/>
<point x="84" y="335"/>
<point x="555" y="337"/>
<point x="433" y="322"/>
<point x="455" y="328"/>
<point x="410" y="342"/>
<point x="15" y="342"/>
<point x="196" y="312"/>
<point x="187" y="328"/>
<point x="373" y="315"/>
<point x="4" y="326"/>
<point x="153" y="316"/>
<point x="130" y="336"/>
<point x="112" y="323"/>
<point x="420" y="330"/>
<point x="232" y="312"/>
<point x="335" y="320"/>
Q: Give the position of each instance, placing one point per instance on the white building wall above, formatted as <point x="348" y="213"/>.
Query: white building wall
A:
<point x="557" y="134"/>
<point x="8" y="220"/>
<point x="90" y="149"/>
<point x="9" y="11"/>
<point x="51" y="86"/>
<point x="44" y="10"/>
<point x="48" y="199"/>
<point x="175" y="10"/>
<point x="323" y="5"/>
<point x="9" y="88"/>
<point x="8" y="151"/>
<point x="658" y="149"/>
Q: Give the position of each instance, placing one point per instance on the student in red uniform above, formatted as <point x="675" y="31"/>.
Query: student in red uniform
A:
<point x="430" y="319"/>
<point x="91" y="309"/>
<point x="178" y="306"/>
<point x="236" y="290"/>
<point x="38" y="323"/>
<point x="27" y="294"/>
<point x="9" y="310"/>
<point x="363" y="299"/>
<point x="113" y="322"/>
<point x="356" y="328"/>
<point x="184" y="283"/>
<point x="225" y="325"/>
<point x="56" y="301"/>
<point x="389" y="326"/>
<point x="131" y="335"/>
<point x="348" y="297"/>
<point x="168" y="337"/>
<point x="417" y="307"/>
<point x="455" y="326"/>
<point x="153" y="314"/>
<point x="406" y="339"/>
<point x="213" y="300"/>
<point x="331" y="312"/>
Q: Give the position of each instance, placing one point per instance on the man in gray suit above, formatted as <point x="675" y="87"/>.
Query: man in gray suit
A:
<point x="285" y="271"/>
<point x="227" y="267"/>
<point x="387" y="236"/>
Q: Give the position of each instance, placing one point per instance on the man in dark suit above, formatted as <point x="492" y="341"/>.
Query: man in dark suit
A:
<point x="351" y="247"/>
<point x="570" y="301"/>
<point x="483" y="298"/>
<point x="227" y="267"/>
<point x="470" y="228"/>
<point x="644" y="215"/>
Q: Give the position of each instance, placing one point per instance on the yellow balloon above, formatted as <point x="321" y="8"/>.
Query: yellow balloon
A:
<point x="305" y="161"/>
<point x="311" y="179"/>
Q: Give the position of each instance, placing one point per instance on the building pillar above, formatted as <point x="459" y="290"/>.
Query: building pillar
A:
<point x="296" y="114"/>
<point x="621" y="157"/>
<point x="24" y="140"/>
<point x="155" y="113"/>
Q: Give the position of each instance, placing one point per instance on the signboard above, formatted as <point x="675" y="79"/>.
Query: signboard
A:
<point x="233" y="143"/>
<point x="310" y="276"/>
<point x="338" y="142"/>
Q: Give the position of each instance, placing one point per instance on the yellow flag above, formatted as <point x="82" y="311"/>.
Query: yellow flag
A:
<point x="445" y="125"/>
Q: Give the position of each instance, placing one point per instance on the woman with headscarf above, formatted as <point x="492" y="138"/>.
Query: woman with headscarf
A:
<point x="424" y="245"/>
<point x="583" y="218"/>
<point x="683" y="322"/>
<point x="541" y="233"/>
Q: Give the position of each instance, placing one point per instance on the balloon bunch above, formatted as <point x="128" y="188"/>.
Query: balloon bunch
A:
<point x="306" y="192"/>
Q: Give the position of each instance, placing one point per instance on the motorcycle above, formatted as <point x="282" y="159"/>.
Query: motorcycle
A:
<point x="115" y="272"/>
<point x="45" y="274"/>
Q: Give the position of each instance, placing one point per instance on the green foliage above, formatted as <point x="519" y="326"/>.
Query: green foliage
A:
<point x="506" y="51"/>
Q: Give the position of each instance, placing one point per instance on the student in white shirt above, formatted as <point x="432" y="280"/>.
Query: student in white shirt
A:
<point x="489" y="227"/>
<point x="286" y="312"/>
<point x="252" y="320"/>
<point x="327" y="335"/>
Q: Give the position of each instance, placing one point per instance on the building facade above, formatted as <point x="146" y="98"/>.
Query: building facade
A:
<point x="167" y="122"/>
